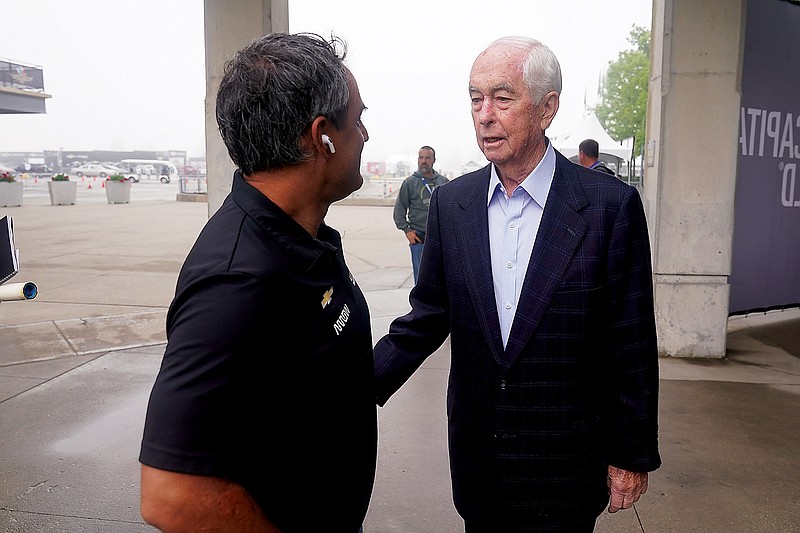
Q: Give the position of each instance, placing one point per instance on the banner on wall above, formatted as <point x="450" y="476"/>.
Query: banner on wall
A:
<point x="765" y="270"/>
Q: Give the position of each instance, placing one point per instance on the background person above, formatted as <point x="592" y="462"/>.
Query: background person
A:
<point x="539" y="271"/>
<point x="262" y="417"/>
<point x="588" y="153"/>
<point x="413" y="201"/>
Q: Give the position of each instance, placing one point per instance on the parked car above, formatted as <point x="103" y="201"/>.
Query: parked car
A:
<point x="94" y="170"/>
<point x="188" y="170"/>
<point x="33" y="168"/>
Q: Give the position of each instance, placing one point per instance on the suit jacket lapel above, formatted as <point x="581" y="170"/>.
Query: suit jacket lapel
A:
<point x="473" y="240"/>
<point x="560" y="231"/>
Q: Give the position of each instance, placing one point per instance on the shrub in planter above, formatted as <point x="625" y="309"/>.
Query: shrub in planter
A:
<point x="62" y="191"/>
<point x="118" y="189"/>
<point x="10" y="190"/>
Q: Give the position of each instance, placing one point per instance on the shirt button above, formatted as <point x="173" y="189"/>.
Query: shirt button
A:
<point x="509" y="265"/>
<point x="508" y="306"/>
<point x="512" y="225"/>
<point x="503" y="385"/>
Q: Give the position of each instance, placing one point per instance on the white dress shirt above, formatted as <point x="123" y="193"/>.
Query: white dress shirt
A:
<point x="513" y="224"/>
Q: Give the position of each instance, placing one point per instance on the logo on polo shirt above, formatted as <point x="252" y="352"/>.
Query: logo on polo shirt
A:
<point x="327" y="298"/>
<point x="338" y="326"/>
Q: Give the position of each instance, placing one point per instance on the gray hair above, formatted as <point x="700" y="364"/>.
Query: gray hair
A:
<point x="270" y="93"/>
<point x="541" y="71"/>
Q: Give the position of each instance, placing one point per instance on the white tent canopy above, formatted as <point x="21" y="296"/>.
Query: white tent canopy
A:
<point x="590" y="128"/>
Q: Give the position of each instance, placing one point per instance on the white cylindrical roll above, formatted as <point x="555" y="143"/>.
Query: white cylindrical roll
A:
<point x="18" y="291"/>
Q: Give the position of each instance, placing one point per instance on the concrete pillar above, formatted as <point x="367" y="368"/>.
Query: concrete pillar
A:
<point x="690" y="168"/>
<point x="229" y="26"/>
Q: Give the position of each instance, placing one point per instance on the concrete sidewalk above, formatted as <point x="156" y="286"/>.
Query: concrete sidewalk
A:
<point x="77" y="364"/>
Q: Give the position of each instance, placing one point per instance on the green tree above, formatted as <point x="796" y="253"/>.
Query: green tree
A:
<point x="623" y="96"/>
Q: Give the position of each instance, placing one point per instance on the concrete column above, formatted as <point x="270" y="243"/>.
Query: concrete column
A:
<point x="229" y="26"/>
<point x="690" y="168"/>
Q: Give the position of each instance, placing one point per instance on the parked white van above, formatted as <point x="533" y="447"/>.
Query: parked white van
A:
<point x="147" y="169"/>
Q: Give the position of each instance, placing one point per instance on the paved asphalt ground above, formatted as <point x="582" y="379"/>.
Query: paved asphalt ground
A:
<point x="77" y="364"/>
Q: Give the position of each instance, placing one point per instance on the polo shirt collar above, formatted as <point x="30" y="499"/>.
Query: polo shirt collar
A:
<point x="282" y="228"/>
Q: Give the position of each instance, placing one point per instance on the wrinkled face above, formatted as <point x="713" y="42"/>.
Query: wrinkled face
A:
<point x="425" y="161"/>
<point x="508" y="125"/>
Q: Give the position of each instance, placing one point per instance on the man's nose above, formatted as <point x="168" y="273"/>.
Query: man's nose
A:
<point x="485" y="113"/>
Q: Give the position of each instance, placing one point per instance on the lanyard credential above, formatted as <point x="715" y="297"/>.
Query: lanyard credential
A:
<point x="427" y="185"/>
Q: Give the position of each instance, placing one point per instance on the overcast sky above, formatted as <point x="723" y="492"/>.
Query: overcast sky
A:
<point x="130" y="75"/>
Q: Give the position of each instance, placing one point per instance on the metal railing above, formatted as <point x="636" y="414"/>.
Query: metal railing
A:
<point x="378" y="187"/>
<point x="193" y="184"/>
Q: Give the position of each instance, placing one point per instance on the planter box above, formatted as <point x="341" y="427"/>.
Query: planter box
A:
<point x="118" y="192"/>
<point x="62" y="192"/>
<point x="10" y="194"/>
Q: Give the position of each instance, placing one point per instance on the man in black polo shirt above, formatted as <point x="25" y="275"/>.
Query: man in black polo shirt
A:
<point x="263" y="417"/>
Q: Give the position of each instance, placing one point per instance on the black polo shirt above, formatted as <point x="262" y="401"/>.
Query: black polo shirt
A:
<point x="267" y="378"/>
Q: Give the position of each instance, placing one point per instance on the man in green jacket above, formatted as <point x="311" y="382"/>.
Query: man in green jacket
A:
<point x="413" y="200"/>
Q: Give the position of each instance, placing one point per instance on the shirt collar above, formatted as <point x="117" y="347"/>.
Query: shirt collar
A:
<point x="283" y="228"/>
<point x="537" y="183"/>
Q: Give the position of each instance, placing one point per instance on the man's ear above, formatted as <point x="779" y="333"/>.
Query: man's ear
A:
<point x="549" y="109"/>
<point x="319" y="138"/>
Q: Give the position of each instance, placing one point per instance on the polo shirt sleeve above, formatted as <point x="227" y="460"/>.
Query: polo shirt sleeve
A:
<point x="195" y="419"/>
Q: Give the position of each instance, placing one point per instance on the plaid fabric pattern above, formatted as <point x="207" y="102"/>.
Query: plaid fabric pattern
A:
<point x="533" y="427"/>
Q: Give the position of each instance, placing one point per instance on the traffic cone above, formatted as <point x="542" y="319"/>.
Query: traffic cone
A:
<point x="103" y="184"/>
<point x="90" y="186"/>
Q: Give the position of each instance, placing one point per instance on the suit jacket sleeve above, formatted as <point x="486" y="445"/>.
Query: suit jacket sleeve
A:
<point x="633" y="372"/>
<point x="416" y="335"/>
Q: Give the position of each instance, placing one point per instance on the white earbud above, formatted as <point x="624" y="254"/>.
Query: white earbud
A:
<point x="327" y="141"/>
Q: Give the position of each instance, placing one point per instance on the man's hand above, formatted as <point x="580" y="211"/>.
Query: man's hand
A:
<point x="412" y="237"/>
<point x="625" y="488"/>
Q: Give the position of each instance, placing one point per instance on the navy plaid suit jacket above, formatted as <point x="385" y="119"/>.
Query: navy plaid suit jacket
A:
<point x="533" y="427"/>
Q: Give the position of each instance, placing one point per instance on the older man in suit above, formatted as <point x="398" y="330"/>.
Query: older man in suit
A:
<point x="539" y="270"/>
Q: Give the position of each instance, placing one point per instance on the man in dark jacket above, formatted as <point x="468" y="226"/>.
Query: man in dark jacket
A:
<point x="539" y="271"/>
<point x="588" y="154"/>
